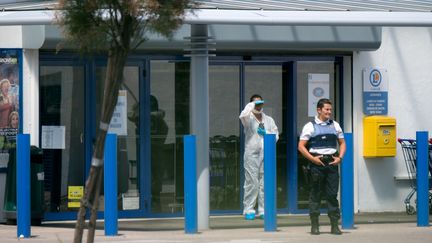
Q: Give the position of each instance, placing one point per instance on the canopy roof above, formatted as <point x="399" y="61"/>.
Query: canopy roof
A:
<point x="280" y="5"/>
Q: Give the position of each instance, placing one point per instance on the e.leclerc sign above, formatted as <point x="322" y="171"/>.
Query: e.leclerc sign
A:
<point x="375" y="91"/>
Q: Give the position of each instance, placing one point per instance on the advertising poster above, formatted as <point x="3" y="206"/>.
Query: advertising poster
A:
<point x="9" y="102"/>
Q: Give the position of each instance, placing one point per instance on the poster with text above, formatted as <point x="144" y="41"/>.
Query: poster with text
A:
<point x="118" y="124"/>
<point x="318" y="88"/>
<point x="9" y="102"/>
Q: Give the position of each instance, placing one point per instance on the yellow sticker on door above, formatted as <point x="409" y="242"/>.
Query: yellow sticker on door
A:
<point x="75" y="193"/>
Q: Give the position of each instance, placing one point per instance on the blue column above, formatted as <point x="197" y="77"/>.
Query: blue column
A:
<point x="190" y="185"/>
<point x="347" y="184"/>
<point x="422" y="179"/>
<point x="270" y="223"/>
<point x="110" y="185"/>
<point x="23" y="185"/>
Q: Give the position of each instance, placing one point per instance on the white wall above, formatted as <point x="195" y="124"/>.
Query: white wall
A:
<point x="31" y="94"/>
<point x="407" y="55"/>
<point x="19" y="36"/>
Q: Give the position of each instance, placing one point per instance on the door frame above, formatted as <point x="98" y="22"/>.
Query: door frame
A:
<point x="66" y="60"/>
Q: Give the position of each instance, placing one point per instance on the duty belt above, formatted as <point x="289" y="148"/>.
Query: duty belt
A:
<point x="326" y="158"/>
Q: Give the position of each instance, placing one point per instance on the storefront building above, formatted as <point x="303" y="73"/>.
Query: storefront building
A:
<point x="61" y="94"/>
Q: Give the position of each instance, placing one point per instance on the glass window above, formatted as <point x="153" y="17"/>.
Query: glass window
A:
<point x="224" y="90"/>
<point x="169" y="111"/>
<point x="61" y="95"/>
<point x="128" y="135"/>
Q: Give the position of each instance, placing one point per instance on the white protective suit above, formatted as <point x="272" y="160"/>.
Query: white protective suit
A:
<point x="254" y="158"/>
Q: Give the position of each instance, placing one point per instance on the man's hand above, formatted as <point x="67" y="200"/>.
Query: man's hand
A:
<point x="336" y="160"/>
<point x="303" y="150"/>
<point x="317" y="160"/>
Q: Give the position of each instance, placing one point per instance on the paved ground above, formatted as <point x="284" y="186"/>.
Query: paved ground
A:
<point x="374" y="228"/>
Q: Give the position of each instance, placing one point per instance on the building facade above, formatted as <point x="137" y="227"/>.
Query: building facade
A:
<point x="61" y="95"/>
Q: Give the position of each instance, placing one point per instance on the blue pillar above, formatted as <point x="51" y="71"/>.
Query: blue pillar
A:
<point x="270" y="223"/>
<point x="190" y="185"/>
<point x="347" y="184"/>
<point x="422" y="179"/>
<point x="110" y="185"/>
<point x="23" y="185"/>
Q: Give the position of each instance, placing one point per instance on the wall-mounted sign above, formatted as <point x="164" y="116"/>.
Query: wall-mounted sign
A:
<point x="53" y="137"/>
<point x="75" y="193"/>
<point x="118" y="124"/>
<point x="130" y="203"/>
<point x="375" y="91"/>
<point x="318" y="88"/>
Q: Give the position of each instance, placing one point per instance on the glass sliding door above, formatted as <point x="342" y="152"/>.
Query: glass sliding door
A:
<point x="267" y="81"/>
<point x="306" y="73"/>
<point x="169" y="122"/>
<point x="125" y="123"/>
<point x="62" y="94"/>
<point x="224" y="105"/>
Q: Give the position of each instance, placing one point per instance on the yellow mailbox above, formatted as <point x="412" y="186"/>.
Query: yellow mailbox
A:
<point x="379" y="136"/>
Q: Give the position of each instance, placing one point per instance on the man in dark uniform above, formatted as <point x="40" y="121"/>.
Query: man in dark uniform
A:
<point x="318" y="143"/>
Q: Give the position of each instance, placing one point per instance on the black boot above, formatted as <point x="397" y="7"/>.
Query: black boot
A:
<point x="315" y="226"/>
<point x="335" y="227"/>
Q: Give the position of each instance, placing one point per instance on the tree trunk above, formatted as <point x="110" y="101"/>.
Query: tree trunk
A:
<point x="114" y="73"/>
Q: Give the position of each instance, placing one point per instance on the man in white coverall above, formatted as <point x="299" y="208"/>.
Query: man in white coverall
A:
<point x="256" y="124"/>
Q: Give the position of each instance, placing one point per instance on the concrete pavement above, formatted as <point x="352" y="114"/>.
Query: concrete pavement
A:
<point x="374" y="228"/>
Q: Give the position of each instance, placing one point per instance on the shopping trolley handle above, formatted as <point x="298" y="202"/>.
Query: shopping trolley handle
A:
<point x="411" y="141"/>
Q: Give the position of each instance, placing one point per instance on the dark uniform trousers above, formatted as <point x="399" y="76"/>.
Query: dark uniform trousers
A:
<point x="324" y="180"/>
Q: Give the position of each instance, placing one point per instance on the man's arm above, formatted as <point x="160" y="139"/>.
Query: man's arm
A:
<point x="244" y="115"/>
<point x="303" y="150"/>
<point x="342" y="149"/>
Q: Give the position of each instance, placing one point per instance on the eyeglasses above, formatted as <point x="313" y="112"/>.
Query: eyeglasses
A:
<point x="261" y="125"/>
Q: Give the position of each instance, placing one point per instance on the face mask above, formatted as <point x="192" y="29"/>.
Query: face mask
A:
<point x="257" y="112"/>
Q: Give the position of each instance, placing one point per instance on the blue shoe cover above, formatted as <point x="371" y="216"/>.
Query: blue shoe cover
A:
<point x="250" y="216"/>
<point x="261" y="216"/>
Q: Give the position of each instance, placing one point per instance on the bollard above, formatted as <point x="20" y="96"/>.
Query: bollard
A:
<point x="110" y="185"/>
<point x="422" y="179"/>
<point x="270" y="223"/>
<point x="190" y="185"/>
<point x="23" y="210"/>
<point x="347" y="184"/>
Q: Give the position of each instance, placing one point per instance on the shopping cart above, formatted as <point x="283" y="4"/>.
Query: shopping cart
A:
<point x="410" y="156"/>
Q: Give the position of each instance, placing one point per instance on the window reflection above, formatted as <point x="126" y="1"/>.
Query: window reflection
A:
<point x="128" y="135"/>
<point x="169" y="114"/>
<point x="224" y="137"/>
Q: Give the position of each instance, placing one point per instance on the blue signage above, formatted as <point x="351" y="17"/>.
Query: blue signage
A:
<point x="375" y="103"/>
<point x="375" y="92"/>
